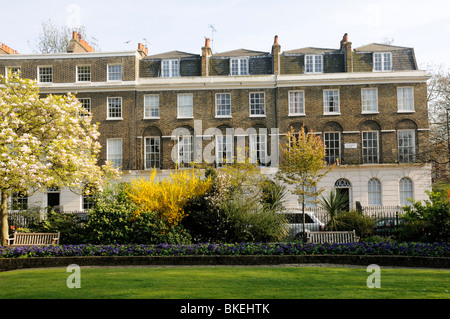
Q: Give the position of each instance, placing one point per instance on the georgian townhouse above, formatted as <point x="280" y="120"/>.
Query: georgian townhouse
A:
<point x="170" y="109"/>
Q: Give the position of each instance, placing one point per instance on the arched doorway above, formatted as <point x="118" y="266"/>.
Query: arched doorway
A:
<point x="343" y="186"/>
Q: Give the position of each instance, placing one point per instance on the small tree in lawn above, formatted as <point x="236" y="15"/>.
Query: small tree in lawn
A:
<point x="302" y="165"/>
<point x="44" y="142"/>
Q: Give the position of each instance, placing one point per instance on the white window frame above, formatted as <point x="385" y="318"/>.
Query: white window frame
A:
<point x="370" y="158"/>
<point x="77" y="76"/>
<point x="19" y="201"/>
<point x="258" y="149"/>
<point x="221" y="107"/>
<point x="313" y="63"/>
<point x="402" y="103"/>
<point x="185" y="157"/>
<point x="156" y="155"/>
<point x="10" y="68"/>
<point x="110" y="73"/>
<point x="331" y="159"/>
<point x="108" y="108"/>
<point x="170" y="68"/>
<point x="327" y="101"/>
<point x="39" y="74"/>
<point x="115" y="158"/>
<point x="254" y="104"/>
<point x="151" y="109"/>
<point x="226" y="153"/>
<point x="405" y="188"/>
<point x="369" y="101"/>
<point x="242" y="66"/>
<point x="296" y="104"/>
<point x="406" y="151"/>
<point x="374" y="192"/>
<point x="181" y="107"/>
<point x="86" y="102"/>
<point x="380" y="62"/>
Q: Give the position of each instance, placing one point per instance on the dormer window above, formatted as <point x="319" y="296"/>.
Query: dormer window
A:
<point x="239" y="66"/>
<point x="314" y="63"/>
<point x="170" y="68"/>
<point x="382" y="62"/>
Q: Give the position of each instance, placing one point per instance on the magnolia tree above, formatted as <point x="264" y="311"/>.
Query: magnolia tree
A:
<point x="45" y="142"/>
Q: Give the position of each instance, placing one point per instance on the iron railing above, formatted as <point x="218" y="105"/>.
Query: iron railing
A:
<point x="386" y="218"/>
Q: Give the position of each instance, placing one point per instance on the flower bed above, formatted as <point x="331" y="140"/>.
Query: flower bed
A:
<point x="240" y="249"/>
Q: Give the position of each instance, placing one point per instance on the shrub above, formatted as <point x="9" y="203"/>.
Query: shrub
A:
<point x="113" y="220"/>
<point x="69" y="225"/>
<point x="429" y="222"/>
<point x="352" y="220"/>
<point x="234" y="208"/>
<point x="167" y="197"/>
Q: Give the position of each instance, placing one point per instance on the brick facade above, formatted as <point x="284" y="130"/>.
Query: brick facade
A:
<point x="345" y="71"/>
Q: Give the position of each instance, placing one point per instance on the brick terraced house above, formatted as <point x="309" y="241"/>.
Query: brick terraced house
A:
<point x="155" y="111"/>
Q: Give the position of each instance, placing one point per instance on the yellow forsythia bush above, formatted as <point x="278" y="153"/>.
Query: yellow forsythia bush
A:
<point x="168" y="196"/>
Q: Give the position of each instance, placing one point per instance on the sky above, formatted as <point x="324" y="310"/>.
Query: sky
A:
<point x="167" y="25"/>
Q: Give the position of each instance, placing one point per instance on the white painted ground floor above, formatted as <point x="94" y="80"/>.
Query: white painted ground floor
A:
<point x="370" y="185"/>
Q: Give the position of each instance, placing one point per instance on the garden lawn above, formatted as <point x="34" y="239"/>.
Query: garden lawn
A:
<point x="225" y="283"/>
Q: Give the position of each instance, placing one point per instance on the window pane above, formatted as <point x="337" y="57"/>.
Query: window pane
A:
<point x="258" y="149"/>
<point x="406" y="146"/>
<point x="185" y="150"/>
<point x="223" y="104"/>
<point x="370" y="147"/>
<point x="114" y="151"/>
<point x="331" y="101"/>
<point x="257" y="104"/>
<point x="406" y="191"/>
<point x="152" y="152"/>
<point x="84" y="73"/>
<point x="374" y="192"/>
<point x="405" y="99"/>
<point x="369" y="100"/>
<point x="296" y="103"/>
<point x="45" y="74"/>
<point x="114" y="107"/>
<point x="86" y="103"/>
<point x="151" y="106"/>
<point x="332" y="142"/>
<point x="115" y="72"/>
<point x="185" y="105"/>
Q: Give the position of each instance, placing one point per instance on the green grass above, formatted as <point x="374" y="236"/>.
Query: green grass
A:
<point x="225" y="283"/>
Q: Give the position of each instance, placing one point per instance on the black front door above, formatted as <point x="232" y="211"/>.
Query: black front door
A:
<point x="345" y="192"/>
<point x="53" y="201"/>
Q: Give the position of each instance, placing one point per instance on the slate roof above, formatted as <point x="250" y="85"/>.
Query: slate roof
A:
<point x="311" y="50"/>
<point x="241" y="52"/>
<point x="376" y="47"/>
<point x="173" y="55"/>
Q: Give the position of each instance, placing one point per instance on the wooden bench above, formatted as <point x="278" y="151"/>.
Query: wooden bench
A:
<point x="332" y="237"/>
<point x="34" y="239"/>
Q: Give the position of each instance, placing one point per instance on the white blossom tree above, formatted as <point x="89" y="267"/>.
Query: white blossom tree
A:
<point x="45" y="142"/>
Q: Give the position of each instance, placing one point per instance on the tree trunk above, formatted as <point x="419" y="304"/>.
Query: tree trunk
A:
<point x="4" y="219"/>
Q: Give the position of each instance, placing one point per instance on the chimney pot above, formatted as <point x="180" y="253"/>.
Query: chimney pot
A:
<point x="345" y="39"/>
<point x="275" y="40"/>
<point x="74" y="35"/>
<point x="207" y="41"/>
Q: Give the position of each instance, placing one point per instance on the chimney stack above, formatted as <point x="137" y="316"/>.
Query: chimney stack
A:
<point x="142" y="49"/>
<point x="276" y="49"/>
<point x="346" y="47"/>
<point x="77" y="44"/>
<point x="4" y="49"/>
<point x="206" y="53"/>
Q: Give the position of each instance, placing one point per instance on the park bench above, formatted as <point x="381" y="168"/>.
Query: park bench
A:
<point x="332" y="237"/>
<point x="34" y="239"/>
